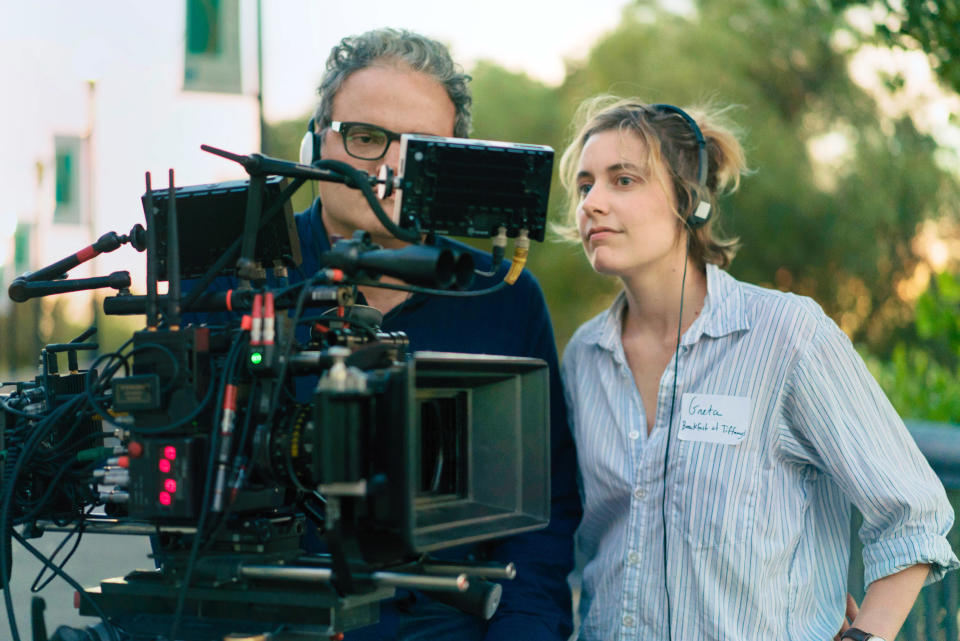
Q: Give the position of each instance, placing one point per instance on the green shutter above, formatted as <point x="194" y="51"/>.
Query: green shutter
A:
<point x="203" y="27"/>
<point x="65" y="177"/>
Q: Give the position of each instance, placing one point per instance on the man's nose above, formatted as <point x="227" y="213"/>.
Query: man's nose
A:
<point x="392" y="157"/>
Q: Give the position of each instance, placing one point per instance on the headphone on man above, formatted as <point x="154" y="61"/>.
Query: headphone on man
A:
<point x="700" y="214"/>
<point x="310" y="145"/>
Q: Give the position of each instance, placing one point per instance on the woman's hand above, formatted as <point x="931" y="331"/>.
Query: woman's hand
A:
<point x="852" y="611"/>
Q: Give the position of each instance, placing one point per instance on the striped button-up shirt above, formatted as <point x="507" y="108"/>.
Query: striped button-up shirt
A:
<point x="757" y="541"/>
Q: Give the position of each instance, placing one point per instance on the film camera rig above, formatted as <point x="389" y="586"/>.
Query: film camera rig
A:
<point x="228" y="442"/>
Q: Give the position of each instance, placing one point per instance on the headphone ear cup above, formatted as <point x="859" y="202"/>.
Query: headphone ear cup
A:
<point x="307" y="145"/>
<point x="699" y="216"/>
<point x="310" y="145"/>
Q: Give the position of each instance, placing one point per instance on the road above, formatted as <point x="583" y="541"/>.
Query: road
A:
<point x="99" y="556"/>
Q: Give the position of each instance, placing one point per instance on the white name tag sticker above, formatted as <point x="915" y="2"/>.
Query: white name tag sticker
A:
<point x="713" y="418"/>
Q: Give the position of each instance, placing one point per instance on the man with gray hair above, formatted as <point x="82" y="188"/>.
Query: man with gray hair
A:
<point x="377" y="86"/>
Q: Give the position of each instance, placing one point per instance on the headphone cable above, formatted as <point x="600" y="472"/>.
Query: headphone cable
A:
<point x="666" y="453"/>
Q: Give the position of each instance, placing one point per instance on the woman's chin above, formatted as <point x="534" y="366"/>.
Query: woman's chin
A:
<point x="603" y="266"/>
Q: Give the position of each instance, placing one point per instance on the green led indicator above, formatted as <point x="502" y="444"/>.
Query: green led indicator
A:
<point x="256" y="358"/>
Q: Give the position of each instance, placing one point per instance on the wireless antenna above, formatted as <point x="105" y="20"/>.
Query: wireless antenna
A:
<point x="151" y="259"/>
<point x="173" y="259"/>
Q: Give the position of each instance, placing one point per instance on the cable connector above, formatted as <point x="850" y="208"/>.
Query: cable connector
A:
<point x="256" y="315"/>
<point x="497" y="253"/>
<point x="269" y="331"/>
<point x="520" y="250"/>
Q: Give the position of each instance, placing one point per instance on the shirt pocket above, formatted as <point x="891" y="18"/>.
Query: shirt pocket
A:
<point x="714" y="490"/>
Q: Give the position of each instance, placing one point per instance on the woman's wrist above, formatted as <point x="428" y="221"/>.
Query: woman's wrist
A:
<point x="888" y="602"/>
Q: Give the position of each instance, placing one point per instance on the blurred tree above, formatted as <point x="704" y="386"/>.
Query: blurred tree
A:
<point x="22" y="342"/>
<point x="839" y="187"/>
<point x="512" y="106"/>
<point x="938" y="318"/>
<point x="931" y="26"/>
<point x="282" y="140"/>
<point x="922" y="376"/>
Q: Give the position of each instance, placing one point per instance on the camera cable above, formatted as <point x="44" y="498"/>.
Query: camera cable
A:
<point x="40" y="432"/>
<point x="232" y="356"/>
<point x="78" y="532"/>
<point x="70" y="580"/>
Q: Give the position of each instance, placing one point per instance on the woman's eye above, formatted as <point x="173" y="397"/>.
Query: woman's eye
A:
<point x="583" y="189"/>
<point x="624" y="181"/>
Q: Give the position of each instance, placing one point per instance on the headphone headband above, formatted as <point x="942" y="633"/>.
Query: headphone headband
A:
<point x="701" y="214"/>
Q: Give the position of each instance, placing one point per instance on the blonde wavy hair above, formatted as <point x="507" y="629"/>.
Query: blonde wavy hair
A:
<point x="668" y="139"/>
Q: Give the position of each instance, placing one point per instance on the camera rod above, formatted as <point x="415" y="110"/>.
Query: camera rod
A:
<point x="231" y="300"/>
<point x="508" y="571"/>
<point x="258" y="166"/>
<point x="458" y="583"/>
<point x="22" y="290"/>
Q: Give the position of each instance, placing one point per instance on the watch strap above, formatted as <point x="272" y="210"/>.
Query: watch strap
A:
<point x="856" y="634"/>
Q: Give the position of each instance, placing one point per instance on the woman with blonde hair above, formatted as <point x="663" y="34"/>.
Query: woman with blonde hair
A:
<point x="723" y="429"/>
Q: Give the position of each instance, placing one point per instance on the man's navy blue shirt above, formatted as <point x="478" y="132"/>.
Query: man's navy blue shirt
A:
<point x="511" y="322"/>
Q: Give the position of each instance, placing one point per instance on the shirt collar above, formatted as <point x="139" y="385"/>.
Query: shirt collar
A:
<point x="723" y="313"/>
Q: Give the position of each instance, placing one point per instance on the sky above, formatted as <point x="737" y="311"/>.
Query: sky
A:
<point x="141" y="119"/>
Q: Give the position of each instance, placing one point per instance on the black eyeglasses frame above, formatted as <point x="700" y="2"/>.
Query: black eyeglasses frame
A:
<point x="343" y="128"/>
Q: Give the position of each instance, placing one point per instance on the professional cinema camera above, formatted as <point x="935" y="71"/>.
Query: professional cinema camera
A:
<point x="257" y="407"/>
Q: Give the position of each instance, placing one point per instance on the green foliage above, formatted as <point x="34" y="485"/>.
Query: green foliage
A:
<point x="938" y="317"/>
<point x="922" y="376"/>
<point x="917" y="385"/>
<point x="515" y="107"/>
<point x="282" y="140"/>
<point x="836" y="226"/>
<point x="512" y="106"/>
<point x="924" y="24"/>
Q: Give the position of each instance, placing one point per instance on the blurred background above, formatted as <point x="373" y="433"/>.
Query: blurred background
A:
<point x="847" y="109"/>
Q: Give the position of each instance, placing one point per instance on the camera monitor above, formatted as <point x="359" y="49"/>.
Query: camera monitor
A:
<point x="464" y="187"/>
<point x="211" y="218"/>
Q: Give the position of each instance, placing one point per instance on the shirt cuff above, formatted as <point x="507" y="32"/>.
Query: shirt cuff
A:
<point x="889" y="556"/>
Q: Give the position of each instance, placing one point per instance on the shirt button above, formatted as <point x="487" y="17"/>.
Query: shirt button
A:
<point x="634" y="435"/>
<point x="633" y="558"/>
<point x="639" y="493"/>
<point x="628" y="621"/>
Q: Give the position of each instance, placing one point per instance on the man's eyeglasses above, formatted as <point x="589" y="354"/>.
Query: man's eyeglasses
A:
<point x="364" y="141"/>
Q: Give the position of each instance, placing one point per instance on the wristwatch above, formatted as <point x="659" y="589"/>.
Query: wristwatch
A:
<point x="859" y="635"/>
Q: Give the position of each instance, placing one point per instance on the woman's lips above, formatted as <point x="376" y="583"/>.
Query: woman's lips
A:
<point x="600" y="233"/>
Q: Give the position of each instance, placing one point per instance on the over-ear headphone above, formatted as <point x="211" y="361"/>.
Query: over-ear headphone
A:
<point x="700" y="214"/>
<point x="310" y="145"/>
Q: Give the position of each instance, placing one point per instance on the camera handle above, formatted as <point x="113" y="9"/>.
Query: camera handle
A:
<point x="51" y="279"/>
<point x="324" y="170"/>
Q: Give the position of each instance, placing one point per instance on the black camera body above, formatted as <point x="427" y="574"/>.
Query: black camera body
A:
<point x="236" y="444"/>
